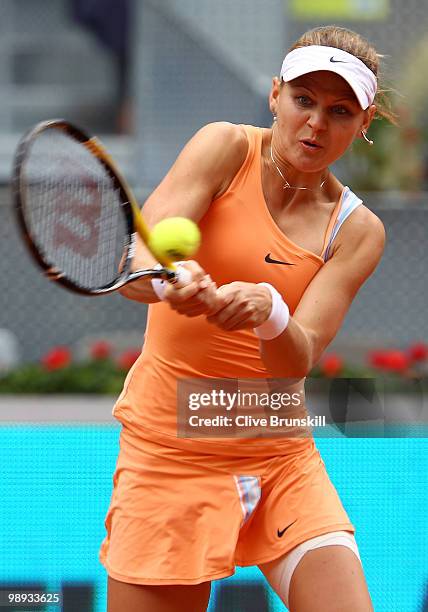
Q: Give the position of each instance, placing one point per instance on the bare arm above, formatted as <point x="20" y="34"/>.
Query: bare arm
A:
<point x="327" y="299"/>
<point x="203" y="171"/>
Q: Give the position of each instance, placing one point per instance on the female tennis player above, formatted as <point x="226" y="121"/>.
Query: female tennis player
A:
<point x="285" y="248"/>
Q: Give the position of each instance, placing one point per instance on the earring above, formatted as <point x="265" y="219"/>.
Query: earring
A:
<point x="274" y="117"/>
<point x="364" y="135"/>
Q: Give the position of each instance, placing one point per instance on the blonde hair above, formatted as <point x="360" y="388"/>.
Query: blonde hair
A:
<point x="351" y="42"/>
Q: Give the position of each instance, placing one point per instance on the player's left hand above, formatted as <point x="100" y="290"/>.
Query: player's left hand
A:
<point x="249" y="305"/>
<point x="196" y="297"/>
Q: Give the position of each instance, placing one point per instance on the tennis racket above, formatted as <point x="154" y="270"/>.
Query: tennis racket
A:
<point x="77" y="215"/>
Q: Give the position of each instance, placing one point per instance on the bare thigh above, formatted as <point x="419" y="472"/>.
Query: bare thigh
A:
<point x="329" y="579"/>
<point x="169" y="598"/>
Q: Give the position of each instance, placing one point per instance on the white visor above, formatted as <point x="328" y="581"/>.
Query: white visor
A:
<point x="317" y="57"/>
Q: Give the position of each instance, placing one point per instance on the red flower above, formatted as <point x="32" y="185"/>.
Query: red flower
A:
<point x="331" y="365"/>
<point x="57" y="358"/>
<point x="378" y="359"/>
<point x="127" y="359"/>
<point x="396" y="361"/>
<point x="100" y="350"/>
<point x="418" y="351"/>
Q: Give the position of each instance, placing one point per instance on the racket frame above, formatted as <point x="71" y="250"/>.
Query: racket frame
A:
<point x="135" y="223"/>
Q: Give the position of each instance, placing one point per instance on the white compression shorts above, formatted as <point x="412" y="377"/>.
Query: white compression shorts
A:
<point x="279" y="572"/>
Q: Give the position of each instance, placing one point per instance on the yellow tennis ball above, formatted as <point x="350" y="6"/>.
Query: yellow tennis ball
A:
<point x="175" y="238"/>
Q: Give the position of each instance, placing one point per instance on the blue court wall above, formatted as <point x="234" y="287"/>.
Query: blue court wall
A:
<point x="56" y="484"/>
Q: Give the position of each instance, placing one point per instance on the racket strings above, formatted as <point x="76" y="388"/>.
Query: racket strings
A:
<point x="73" y="210"/>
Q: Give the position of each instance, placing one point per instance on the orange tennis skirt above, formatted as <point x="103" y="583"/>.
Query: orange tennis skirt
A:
<point x="181" y="517"/>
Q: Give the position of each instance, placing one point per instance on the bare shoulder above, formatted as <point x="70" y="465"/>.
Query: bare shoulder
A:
<point x="212" y="157"/>
<point x="225" y="132"/>
<point x="222" y="140"/>
<point x="226" y="146"/>
<point x="362" y="233"/>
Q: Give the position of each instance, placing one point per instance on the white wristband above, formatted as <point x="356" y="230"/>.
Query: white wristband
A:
<point x="183" y="275"/>
<point x="278" y="319"/>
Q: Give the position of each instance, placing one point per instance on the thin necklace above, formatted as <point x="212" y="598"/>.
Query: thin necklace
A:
<point x="286" y="183"/>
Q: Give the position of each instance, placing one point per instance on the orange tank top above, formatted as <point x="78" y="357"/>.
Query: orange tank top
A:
<point x="238" y="233"/>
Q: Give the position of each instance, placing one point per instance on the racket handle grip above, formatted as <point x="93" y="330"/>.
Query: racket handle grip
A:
<point x="183" y="276"/>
